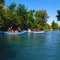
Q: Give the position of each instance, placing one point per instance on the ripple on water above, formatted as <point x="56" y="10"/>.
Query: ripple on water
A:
<point x="30" y="46"/>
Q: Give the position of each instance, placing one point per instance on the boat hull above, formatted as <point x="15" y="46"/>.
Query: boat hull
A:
<point x="36" y="32"/>
<point x="15" y="32"/>
<point x="39" y="32"/>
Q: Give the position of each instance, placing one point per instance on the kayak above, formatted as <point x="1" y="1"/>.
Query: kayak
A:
<point x="39" y="32"/>
<point x="15" y="32"/>
<point x="36" y="31"/>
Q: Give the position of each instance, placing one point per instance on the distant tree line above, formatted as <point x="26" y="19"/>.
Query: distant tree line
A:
<point x="20" y="16"/>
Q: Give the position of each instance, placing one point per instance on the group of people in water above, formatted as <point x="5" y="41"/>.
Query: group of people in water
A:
<point x="10" y="29"/>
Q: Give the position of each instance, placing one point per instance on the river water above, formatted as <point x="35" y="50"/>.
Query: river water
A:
<point x="30" y="46"/>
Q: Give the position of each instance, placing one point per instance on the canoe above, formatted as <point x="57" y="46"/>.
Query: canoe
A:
<point x="36" y="31"/>
<point x="39" y="32"/>
<point x="15" y="32"/>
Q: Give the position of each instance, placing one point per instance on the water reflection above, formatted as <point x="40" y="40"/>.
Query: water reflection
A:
<point x="30" y="46"/>
<point x="6" y="50"/>
<point x="13" y="37"/>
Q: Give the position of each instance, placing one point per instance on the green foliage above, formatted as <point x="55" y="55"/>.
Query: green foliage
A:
<point x="30" y="19"/>
<point x="20" y="17"/>
<point x="59" y="27"/>
<point x="41" y="18"/>
<point x="47" y="27"/>
<point x="1" y="22"/>
<point x="55" y="25"/>
<point x="58" y="16"/>
<point x="12" y="6"/>
<point x="1" y="14"/>
<point x="2" y="1"/>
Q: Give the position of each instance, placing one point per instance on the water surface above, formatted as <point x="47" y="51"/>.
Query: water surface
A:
<point x="30" y="46"/>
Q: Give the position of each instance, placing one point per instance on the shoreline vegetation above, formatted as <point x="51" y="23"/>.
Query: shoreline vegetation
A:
<point x="17" y="18"/>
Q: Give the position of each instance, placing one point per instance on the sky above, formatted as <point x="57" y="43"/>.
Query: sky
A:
<point x="51" y="6"/>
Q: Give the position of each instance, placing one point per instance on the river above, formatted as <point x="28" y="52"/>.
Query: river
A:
<point x="30" y="46"/>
